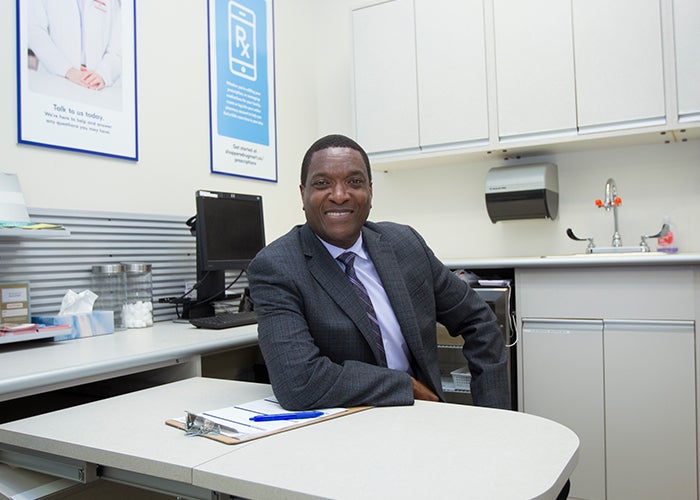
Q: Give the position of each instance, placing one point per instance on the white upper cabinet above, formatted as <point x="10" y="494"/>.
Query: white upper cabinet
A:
<point x="590" y="65"/>
<point x="619" y="64"/>
<point x="451" y="68"/>
<point x="480" y="75"/>
<point x="386" y="95"/>
<point x="686" y="20"/>
<point x="420" y="75"/>
<point x="534" y="68"/>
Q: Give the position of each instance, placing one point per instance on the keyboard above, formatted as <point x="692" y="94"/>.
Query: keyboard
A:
<point x="225" y="320"/>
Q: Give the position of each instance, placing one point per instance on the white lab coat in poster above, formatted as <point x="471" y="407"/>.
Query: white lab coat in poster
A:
<point x="63" y="35"/>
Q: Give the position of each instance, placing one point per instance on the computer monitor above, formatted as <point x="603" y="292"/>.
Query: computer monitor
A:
<point x="230" y="231"/>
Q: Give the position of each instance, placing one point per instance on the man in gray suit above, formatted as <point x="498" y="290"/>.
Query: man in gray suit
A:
<point x="328" y="344"/>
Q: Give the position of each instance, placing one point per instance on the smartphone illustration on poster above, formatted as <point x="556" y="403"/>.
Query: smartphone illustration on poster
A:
<point x="241" y="41"/>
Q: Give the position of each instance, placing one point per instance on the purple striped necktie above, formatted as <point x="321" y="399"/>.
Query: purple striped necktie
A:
<point x="348" y="260"/>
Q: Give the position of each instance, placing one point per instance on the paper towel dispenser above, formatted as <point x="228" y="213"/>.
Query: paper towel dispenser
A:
<point x="522" y="192"/>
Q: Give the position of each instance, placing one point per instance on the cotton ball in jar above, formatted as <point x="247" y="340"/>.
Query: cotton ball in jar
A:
<point x="138" y="314"/>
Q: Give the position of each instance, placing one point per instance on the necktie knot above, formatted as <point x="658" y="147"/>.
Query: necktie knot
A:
<point x="348" y="259"/>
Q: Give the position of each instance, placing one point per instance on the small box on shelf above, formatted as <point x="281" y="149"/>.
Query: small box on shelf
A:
<point x="462" y="379"/>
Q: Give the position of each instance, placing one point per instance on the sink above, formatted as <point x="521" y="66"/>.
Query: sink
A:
<point x="634" y="249"/>
<point x="603" y="255"/>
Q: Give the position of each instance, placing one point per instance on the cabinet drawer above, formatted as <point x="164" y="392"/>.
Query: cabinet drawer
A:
<point x="659" y="293"/>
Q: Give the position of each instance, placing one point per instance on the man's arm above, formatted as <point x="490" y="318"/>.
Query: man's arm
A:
<point x="464" y="313"/>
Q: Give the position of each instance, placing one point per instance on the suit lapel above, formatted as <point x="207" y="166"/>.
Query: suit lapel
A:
<point x="390" y="273"/>
<point x="331" y="278"/>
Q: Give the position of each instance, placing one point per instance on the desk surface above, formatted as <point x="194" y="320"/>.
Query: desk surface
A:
<point x="423" y="451"/>
<point x="34" y="367"/>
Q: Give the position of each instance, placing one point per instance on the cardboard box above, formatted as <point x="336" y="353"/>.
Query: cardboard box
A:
<point x="14" y="303"/>
<point x="82" y="324"/>
<point x="444" y="337"/>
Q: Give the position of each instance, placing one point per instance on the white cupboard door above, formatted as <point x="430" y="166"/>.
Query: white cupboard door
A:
<point x="534" y="68"/>
<point x="563" y="381"/>
<point x="686" y="21"/>
<point x="386" y="102"/>
<point x="650" y="418"/>
<point x="619" y="66"/>
<point x="451" y="68"/>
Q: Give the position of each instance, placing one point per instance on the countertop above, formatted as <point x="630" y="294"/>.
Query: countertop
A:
<point x="577" y="260"/>
<point x="34" y="367"/>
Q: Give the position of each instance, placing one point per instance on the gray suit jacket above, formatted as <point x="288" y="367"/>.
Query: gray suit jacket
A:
<point x="316" y="339"/>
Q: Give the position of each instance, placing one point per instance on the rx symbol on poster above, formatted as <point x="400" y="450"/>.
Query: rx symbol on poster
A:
<point x="241" y="41"/>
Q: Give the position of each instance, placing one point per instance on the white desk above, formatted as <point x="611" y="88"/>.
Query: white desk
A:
<point x="28" y="368"/>
<point x="429" y="450"/>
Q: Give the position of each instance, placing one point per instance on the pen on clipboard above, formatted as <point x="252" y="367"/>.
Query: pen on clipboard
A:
<point x="286" y="416"/>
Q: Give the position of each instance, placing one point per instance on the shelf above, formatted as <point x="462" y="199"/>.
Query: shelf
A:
<point x="18" y="233"/>
<point x="9" y="338"/>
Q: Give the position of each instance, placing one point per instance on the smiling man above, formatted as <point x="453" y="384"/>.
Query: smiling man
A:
<point x="347" y="308"/>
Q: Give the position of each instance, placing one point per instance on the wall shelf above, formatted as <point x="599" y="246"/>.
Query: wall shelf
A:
<point x="19" y="233"/>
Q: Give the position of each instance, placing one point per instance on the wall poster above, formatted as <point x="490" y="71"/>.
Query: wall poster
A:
<point x="243" y="138"/>
<point x="76" y="69"/>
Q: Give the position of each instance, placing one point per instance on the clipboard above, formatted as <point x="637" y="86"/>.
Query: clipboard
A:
<point x="236" y="418"/>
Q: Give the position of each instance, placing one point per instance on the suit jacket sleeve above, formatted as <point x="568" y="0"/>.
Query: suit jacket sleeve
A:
<point x="313" y="352"/>
<point x="463" y="312"/>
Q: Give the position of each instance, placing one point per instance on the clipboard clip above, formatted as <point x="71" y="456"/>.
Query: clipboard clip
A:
<point x="197" y="425"/>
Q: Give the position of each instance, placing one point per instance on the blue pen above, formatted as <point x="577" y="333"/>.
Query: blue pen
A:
<point x="286" y="416"/>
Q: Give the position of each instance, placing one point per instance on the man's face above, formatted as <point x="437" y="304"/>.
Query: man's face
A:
<point x="337" y="196"/>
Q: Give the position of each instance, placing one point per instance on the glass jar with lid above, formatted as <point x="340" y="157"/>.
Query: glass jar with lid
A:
<point x="138" y="308"/>
<point x="109" y="284"/>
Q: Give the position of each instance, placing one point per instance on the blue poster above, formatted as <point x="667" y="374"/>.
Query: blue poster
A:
<point x="242" y="70"/>
<point x="242" y="93"/>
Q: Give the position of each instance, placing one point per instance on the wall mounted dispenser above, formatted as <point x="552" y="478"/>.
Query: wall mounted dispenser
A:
<point x="522" y="192"/>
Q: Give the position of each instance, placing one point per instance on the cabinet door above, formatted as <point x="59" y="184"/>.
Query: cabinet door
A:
<point x="386" y="102"/>
<point x="563" y="381"/>
<point x="650" y="419"/>
<point x="451" y="68"/>
<point x="686" y="19"/>
<point x="619" y="67"/>
<point x="534" y="67"/>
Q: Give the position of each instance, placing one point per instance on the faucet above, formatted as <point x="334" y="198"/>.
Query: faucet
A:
<point x="612" y="201"/>
<point x="665" y="228"/>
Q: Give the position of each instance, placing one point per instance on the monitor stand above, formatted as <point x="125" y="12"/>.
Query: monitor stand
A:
<point x="211" y="283"/>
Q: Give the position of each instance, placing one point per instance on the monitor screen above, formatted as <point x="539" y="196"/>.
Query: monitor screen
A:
<point x="229" y="229"/>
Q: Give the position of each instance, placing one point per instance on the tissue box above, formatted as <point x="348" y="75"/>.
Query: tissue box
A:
<point x="82" y="324"/>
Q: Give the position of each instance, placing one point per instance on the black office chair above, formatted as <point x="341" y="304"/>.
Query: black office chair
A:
<point x="564" y="493"/>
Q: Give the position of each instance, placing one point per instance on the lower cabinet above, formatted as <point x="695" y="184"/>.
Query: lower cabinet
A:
<point x="627" y="388"/>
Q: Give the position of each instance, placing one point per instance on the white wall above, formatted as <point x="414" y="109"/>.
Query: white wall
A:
<point x="314" y="97"/>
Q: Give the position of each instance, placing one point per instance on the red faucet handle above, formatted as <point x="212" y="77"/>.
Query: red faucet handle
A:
<point x="598" y="203"/>
<point x="617" y="202"/>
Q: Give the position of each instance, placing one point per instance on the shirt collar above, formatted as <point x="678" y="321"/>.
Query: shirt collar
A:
<point x="357" y="248"/>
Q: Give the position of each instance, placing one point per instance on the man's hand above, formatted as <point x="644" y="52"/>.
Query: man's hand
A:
<point x="421" y="391"/>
